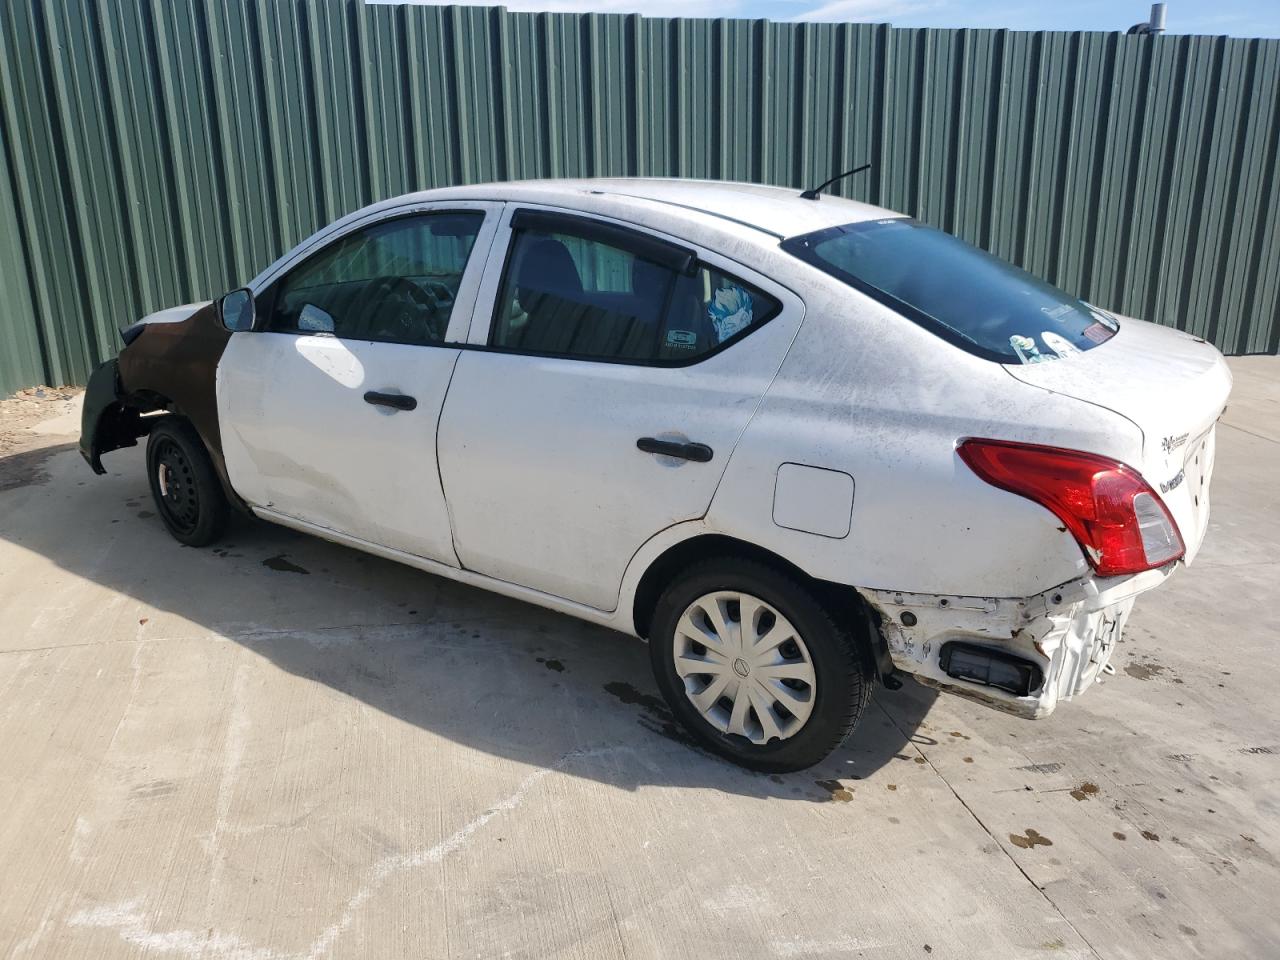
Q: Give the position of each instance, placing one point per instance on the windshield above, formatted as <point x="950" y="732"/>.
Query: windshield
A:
<point x="978" y="302"/>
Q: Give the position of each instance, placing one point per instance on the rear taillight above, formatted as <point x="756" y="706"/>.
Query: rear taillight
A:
<point x="1112" y="512"/>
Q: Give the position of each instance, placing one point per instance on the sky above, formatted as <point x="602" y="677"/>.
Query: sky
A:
<point x="1236" y="18"/>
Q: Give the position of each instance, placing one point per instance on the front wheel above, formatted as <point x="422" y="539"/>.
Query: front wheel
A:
<point x="184" y="485"/>
<point x="755" y="665"/>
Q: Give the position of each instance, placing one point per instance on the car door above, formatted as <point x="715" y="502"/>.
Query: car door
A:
<point x="609" y="374"/>
<point x="329" y="406"/>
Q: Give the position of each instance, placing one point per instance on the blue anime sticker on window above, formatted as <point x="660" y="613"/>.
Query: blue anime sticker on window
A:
<point x="730" y="311"/>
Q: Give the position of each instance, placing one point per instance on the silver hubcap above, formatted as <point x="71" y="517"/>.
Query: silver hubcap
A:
<point x="744" y="667"/>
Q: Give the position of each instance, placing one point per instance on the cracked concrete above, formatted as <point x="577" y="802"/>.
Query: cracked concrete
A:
<point x="198" y="761"/>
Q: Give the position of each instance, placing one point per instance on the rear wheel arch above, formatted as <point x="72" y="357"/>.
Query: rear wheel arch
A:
<point x="841" y="600"/>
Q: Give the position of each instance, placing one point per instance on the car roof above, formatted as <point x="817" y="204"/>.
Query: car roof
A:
<point x="776" y="210"/>
<point x="752" y="211"/>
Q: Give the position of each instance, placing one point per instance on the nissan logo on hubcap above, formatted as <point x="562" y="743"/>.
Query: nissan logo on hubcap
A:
<point x="740" y="667"/>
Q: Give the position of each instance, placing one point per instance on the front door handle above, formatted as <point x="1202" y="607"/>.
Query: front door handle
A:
<point x="697" y="452"/>
<point x="397" y="401"/>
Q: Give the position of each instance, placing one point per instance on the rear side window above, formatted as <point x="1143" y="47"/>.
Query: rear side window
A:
<point x="980" y="303"/>
<point x="574" y="296"/>
<point x="394" y="281"/>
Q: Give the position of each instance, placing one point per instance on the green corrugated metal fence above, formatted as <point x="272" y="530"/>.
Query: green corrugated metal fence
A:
<point x="159" y="151"/>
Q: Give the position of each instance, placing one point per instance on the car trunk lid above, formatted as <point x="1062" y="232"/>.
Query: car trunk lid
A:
<point x="1174" y="387"/>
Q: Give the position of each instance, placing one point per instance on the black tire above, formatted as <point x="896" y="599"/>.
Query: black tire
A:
<point x="191" y="503"/>
<point x="842" y="671"/>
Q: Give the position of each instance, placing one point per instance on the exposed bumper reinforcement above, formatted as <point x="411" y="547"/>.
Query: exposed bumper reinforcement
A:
<point x="1069" y="633"/>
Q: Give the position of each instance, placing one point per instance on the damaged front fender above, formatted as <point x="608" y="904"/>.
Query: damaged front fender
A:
<point x="106" y="422"/>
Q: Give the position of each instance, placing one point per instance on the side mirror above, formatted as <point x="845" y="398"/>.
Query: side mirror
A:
<point x="236" y="310"/>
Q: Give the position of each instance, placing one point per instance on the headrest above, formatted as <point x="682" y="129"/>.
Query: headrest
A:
<point x="547" y="267"/>
<point x="646" y="276"/>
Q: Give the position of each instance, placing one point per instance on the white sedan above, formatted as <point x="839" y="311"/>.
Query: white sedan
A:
<point x="800" y="444"/>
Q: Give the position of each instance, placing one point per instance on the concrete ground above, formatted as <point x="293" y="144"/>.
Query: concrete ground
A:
<point x="284" y="748"/>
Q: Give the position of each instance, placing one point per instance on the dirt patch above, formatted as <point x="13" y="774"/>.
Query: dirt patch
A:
<point x="1029" y="840"/>
<point x="26" y="469"/>
<point x="1145" y="667"/>
<point x="278" y="562"/>
<point x="23" y="451"/>
<point x="1041" y="767"/>
<point x="656" y="717"/>
<point x="1143" y="671"/>
<point x="1085" y="791"/>
<point x="839" y="792"/>
<point x="633" y="697"/>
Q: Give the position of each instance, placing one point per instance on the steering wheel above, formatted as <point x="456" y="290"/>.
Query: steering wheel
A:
<point x="397" y="308"/>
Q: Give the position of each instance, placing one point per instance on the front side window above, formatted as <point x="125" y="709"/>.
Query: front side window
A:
<point x="573" y="296"/>
<point x="981" y="303"/>
<point x="395" y="281"/>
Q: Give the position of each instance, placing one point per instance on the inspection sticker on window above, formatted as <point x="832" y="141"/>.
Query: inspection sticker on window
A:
<point x="1097" y="332"/>
<point x="682" y="339"/>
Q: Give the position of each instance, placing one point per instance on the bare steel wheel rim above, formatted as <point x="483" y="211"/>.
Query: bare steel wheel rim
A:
<point x="177" y="483"/>
<point x="745" y="668"/>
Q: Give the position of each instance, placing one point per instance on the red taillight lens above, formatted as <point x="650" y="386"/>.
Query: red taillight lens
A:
<point x="1115" y="516"/>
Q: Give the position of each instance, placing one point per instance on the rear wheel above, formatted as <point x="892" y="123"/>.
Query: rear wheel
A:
<point x="184" y="485"/>
<point x="755" y="666"/>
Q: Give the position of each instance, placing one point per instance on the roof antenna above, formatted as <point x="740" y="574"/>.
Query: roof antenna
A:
<point x="814" y="193"/>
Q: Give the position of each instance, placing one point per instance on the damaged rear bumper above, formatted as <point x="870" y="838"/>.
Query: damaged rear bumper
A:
<point x="1057" y="642"/>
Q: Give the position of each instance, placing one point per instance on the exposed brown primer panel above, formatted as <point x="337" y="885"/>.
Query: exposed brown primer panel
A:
<point x="179" y="361"/>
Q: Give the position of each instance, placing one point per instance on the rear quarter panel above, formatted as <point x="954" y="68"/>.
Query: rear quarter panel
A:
<point x="866" y="391"/>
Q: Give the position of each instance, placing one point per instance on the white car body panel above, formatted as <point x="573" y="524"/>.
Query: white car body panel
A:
<point x="300" y="442"/>
<point x="830" y="408"/>
<point x="174" y="314"/>
<point x="538" y="454"/>
<point x="544" y="496"/>
<point x="1132" y="376"/>
<point x="298" y="439"/>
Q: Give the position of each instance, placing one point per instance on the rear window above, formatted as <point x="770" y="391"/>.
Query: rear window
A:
<point x="976" y="301"/>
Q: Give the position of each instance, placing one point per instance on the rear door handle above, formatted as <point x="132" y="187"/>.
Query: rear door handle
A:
<point x="397" y="401"/>
<point x="697" y="452"/>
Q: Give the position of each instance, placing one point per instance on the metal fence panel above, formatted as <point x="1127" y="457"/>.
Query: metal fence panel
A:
<point x="160" y="151"/>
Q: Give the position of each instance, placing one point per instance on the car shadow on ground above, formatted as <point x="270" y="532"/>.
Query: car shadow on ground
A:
<point x="484" y="671"/>
<point x="28" y="466"/>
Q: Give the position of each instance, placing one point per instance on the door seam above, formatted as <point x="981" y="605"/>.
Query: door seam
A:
<point x="448" y="507"/>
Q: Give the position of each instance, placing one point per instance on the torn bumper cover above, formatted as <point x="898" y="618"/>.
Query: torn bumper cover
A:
<point x="1019" y="656"/>
<point x="105" y="422"/>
